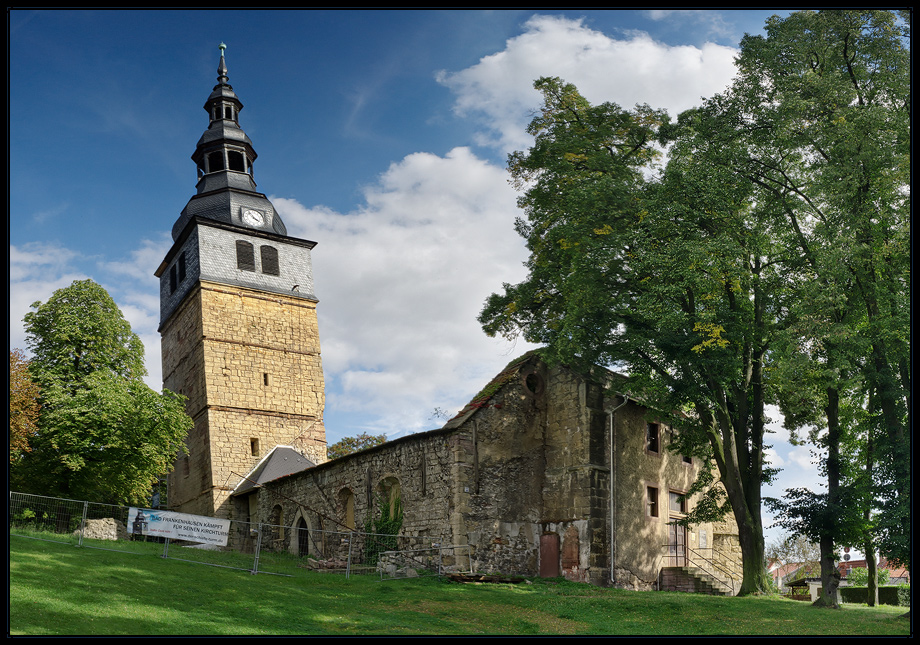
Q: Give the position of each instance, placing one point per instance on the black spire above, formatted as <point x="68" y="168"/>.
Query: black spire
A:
<point x="224" y="157"/>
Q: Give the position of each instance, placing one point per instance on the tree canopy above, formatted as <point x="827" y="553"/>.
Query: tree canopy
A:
<point x="766" y="263"/>
<point x="103" y="435"/>
<point x="349" y="445"/>
<point x="24" y="405"/>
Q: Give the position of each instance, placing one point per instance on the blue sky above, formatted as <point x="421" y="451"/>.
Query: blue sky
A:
<point x="382" y="135"/>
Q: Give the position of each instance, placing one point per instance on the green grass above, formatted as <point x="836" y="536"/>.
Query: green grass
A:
<point x="59" y="589"/>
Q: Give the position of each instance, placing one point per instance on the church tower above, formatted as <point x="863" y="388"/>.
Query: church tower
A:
<point x="237" y="321"/>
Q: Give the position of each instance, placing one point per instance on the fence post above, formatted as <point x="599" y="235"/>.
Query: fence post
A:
<point x="348" y="562"/>
<point x="255" y="562"/>
<point x="165" y="548"/>
<point x="83" y="524"/>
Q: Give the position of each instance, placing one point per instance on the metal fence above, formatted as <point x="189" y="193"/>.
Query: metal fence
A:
<point x="257" y="548"/>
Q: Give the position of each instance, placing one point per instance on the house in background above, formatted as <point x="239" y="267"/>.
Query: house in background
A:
<point x="897" y="575"/>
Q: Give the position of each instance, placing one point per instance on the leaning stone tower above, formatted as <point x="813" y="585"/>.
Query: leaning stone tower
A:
<point x="237" y="321"/>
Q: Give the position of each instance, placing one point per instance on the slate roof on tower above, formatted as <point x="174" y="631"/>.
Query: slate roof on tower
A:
<point x="224" y="156"/>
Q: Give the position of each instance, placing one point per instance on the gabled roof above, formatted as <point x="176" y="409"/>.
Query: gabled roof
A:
<point x="280" y="461"/>
<point x="481" y="400"/>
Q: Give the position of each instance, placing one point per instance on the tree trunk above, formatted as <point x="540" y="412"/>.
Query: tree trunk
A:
<point x="830" y="575"/>
<point x="872" y="596"/>
<point x="750" y="534"/>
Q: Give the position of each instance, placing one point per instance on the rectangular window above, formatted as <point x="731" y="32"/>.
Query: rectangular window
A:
<point x="651" y="501"/>
<point x="254" y="447"/>
<point x="676" y="503"/>
<point x="172" y="279"/>
<point x="181" y="265"/>
<point x="651" y="437"/>
<point x="245" y="256"/>
<point x="270" y="260"/>
<point x="265" y="379"/>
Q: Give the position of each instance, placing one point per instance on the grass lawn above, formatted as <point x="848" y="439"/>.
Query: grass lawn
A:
<point x="62" y="589"/>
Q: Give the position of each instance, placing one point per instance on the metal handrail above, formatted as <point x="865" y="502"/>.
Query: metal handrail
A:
<point x="698" y="560"/>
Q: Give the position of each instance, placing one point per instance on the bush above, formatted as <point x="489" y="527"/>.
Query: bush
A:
<point x="895" y="596"/>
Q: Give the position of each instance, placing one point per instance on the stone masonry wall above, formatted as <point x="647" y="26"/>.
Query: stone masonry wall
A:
<point x="253" y="374"/>
<point x="423" y="465"/>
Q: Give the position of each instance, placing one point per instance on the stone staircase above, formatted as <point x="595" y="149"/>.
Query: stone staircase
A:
<point x="691" y="580"/>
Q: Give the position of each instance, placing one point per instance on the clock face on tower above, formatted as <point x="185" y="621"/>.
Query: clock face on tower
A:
<point x="253" y="217"/>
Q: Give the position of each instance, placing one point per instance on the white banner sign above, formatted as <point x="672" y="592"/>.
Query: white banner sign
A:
<point x="178" y="526"/>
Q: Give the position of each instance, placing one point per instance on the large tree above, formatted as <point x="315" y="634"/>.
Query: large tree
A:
<point x="818" y="120"/>
<point x="103" y="435"/>
<point x="769" y="262"/>
<point x="673" y="280"/>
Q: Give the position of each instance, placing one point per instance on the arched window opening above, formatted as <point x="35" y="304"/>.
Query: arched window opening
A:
<point x="391" y="497"/>
<point x="347" y="506"/>
<point x="228" y="112"/>
<point x="236" y="160"/>
<point x="303" y="538"/>
<point x="245" y="256"/>
<point x="215" y="161"/>
<point x="270" y="260"/>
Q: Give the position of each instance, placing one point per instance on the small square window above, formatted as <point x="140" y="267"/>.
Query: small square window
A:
<point x="676" y="502"/>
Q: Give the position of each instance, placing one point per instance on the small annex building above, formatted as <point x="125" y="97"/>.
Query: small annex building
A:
<point x="542" y="473"/>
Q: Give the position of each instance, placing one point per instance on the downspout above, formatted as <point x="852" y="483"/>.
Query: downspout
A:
<point x="613" y="473"/>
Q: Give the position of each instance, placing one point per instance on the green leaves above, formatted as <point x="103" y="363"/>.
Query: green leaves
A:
<point x="767" y="263"/>
<point x="103" y="435"/>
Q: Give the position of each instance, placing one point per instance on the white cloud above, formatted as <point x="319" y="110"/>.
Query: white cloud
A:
<point x="38" y="270"/>
<point x="400" y="282"/>
<point x="499" y="92"/>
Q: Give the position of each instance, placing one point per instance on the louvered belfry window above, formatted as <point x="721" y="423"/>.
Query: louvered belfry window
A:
<point x="245" y="256"/>
<point x="270" y="260"/>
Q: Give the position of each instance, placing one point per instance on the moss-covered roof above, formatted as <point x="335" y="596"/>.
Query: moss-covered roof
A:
<point x="501" y="379"/>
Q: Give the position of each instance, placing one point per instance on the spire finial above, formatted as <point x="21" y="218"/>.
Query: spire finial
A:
<point x="222" y="67"/>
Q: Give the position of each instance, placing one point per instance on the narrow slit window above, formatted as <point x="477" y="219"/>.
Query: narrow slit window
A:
<point x="651" y="437"/>
<point x="651" y="502"/>
<point x="181" y="265"/>
<point x="245" y="256"/>
<point x="270" y="260"/>
<point x="254" y="447"/>
<point x="265" y="379"/>
<point x="172" y="279"/>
